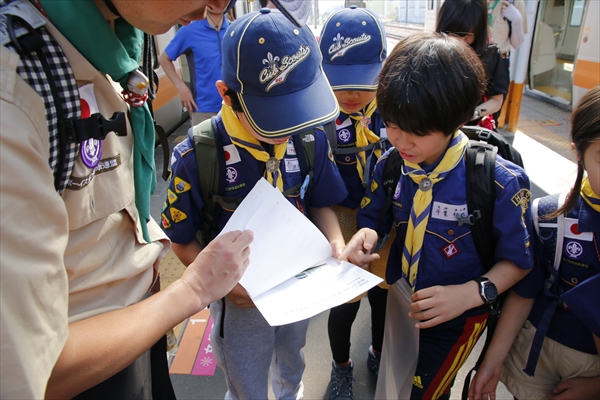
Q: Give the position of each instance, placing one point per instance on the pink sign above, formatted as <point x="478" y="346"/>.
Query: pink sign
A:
<point x="205" y="361"/>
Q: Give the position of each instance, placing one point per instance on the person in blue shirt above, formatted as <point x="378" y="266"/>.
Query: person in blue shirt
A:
<point x="200" y="41"/>
<point x="353" y="45"/>
<point x="428" y="88"/>
<point x="273" y="87"/>
<point x="568" y="366"/>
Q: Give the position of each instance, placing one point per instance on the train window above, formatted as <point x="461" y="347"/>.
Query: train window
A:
<point x="577" y="14"/>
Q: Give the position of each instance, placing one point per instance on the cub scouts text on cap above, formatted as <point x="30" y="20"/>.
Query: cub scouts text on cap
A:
<point x="275" y="67"/>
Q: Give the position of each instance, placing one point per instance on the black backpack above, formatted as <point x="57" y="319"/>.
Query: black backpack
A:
<point x="481" y="152"/>
<point x="211" y="161"/>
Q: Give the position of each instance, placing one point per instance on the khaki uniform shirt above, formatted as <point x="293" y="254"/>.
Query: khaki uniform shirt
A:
<point x="65" y="258"/>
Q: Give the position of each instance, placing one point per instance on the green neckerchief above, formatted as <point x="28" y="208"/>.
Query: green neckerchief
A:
<point x="83" y="25"/>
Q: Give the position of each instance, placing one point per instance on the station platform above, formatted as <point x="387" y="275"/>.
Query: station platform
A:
<point x="541" y="138"/>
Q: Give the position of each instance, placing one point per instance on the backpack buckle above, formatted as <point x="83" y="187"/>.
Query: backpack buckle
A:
<point x="95" y="127"/>
<point x="469" y="219"/>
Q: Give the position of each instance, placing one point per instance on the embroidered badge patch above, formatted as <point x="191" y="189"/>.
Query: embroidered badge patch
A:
<point x="164" y="221"/>
<point x="450" y="250"/>
<point x="374" y="186"/>
<point x="180" y="185"/>
<point x="572" y="231"/>
<point x="231" y="154"/>
<point x="341" y="44"/>
<point x="171" y="196"/>
<point x="344" y="136"/>
<point x="365" y="202"/>
<point x="277" y="70"/>
<point x="574" y="250"/>
<point x="231" y="175"/>
<point x="177" y="215"/>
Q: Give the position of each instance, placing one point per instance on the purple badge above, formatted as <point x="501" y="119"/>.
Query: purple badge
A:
<point x="91" y="152"/>
<point x="231" y="175"/>
<point x="344" y="135"/>
<point x="574" y="250"/>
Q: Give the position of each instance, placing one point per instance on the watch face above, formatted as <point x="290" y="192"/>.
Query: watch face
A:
<point x="490" y="291"/>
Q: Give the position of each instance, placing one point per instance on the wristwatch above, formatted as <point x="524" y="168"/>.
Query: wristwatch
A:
<point x="487" y="290"/>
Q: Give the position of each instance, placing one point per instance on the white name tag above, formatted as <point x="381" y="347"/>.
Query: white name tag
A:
<point x="292" y="165"/>
<point x="447" y="212"/>
<point x="23" y="9"/>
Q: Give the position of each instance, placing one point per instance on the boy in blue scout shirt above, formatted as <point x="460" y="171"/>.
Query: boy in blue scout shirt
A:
<point x="353" y="45"/>
<point x="273" y="87"/>
<point x="568" y="365"/>
<point x="428" y="88"/>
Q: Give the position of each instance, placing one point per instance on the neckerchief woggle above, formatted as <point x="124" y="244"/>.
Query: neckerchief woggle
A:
<point x="241" y="138"/>
<point x="419" y="213"/>
<point x="588" y="194"/>
<point x="115" y="53"/>
<point x="364" y="135"/>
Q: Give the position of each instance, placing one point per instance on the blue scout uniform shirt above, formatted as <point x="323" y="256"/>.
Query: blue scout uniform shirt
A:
<point x="183" y="216"/>
<point x="346" y="137"/>
<point x="580" y="261"/>
<point x="449" y="256"/>
<point x="202" y="45"/>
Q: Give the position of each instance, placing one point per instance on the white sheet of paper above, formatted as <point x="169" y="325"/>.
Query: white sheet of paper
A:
<point x="314" y="291"/>
<point x="286" y="243"/>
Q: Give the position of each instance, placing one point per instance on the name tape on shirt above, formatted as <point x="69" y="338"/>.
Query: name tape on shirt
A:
<point x="447" y="212"/>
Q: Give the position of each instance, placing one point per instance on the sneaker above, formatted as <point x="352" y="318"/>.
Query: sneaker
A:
<point x="373" y="361"/>
<point x="340" y="386"/>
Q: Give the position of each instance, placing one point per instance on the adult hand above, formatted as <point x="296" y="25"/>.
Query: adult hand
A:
<point x="240" y="297"/>
<point x="437" y="304"/>
<point x="219" y="267"/>
<point x="358" y="250"/>
<point x="187" y="99"/>
<point x="483" y="386"/>
<point x="511" y="13"/>
<point x="577" y="389"/>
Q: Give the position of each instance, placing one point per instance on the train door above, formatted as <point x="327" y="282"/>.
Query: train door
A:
<point x="556" y="47"/>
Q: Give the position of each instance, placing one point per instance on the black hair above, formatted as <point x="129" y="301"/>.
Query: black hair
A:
<point x="263" y="3"/>
<point x="585" y="129"/>
<point x="460" y="17"/>
<point x="235" y="100"/>
<point x="430" y="82"/>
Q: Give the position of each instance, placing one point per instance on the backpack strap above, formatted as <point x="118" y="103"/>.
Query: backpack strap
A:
<point x="211" y="167"/>
<point x="481" y="195"/>
<point x="390" y="177"/>
<point x="331" y="133"/>
<point x="306" y="158"/>
<point x="551" y="232"/>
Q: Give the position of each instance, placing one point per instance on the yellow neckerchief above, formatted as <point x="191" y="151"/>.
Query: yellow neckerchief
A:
<point x="588" y="194"/>
<point x="364" y="135"/>
<point x="421" y="206"/>
<point x="241" y="138"/>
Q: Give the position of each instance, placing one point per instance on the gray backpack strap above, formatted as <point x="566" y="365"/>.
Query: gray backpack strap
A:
<point x="331" y="133"/>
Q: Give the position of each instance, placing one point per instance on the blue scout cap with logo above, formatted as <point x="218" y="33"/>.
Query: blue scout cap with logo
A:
<point x="275" y="67"/>
<point x="354" y="47"/>
<point x="297" y="11"/>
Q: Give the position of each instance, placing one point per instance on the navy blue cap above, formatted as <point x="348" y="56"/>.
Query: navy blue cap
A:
<point x="354" y="47"/>
<point x="275" y="67"/>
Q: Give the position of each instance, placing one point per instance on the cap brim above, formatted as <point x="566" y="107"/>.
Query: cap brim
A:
<point x="296" y="11"/>
<point x="362" y="77"/>
<point x="280" y="116"/>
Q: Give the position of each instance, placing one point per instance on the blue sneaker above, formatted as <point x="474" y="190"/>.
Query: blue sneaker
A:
<point x="340" y="386"/>
<point x="373" y="361"/>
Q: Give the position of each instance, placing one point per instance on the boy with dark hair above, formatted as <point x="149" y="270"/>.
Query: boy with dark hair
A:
<point x="428" y="89"/>
<point x="273" y="88"/>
